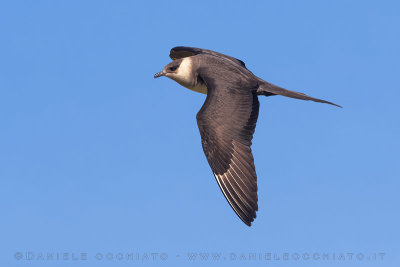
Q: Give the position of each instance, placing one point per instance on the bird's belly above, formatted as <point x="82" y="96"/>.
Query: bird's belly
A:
<point x="200" y="88"/>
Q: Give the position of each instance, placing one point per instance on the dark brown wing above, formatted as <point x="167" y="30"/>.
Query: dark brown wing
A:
<point x="227" y="122"/>
<point x="184" y="51"/>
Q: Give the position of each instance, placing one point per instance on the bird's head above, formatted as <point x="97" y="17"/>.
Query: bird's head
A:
<point x="170" y="70"/>
<point x="179" y="70"/>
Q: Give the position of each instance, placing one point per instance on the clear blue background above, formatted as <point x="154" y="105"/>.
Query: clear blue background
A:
<point x="96" y="156"/>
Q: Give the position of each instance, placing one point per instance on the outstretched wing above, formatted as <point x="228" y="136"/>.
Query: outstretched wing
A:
<point x="184" y="51"/>
<point x="227" y="121"/>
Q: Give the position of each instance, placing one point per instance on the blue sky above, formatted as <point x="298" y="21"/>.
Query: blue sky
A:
<point x="97" y="157"/>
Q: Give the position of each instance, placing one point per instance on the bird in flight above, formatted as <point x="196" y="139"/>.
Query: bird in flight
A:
<point x="227" y="119"/>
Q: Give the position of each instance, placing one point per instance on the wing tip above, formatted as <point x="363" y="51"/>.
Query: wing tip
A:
<point x="248" y="222"/>
<point x="246" y="217"/>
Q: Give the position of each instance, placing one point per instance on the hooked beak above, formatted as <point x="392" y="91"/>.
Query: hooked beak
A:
<point x="159" y="74"/>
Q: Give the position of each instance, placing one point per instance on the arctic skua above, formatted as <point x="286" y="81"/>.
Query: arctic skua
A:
<point x="227" y="119"/>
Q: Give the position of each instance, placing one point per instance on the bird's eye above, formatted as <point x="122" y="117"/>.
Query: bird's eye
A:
<point x="173" y="68"/>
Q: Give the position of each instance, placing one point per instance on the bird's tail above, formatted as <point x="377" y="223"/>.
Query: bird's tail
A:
<point x="269" y="89"/>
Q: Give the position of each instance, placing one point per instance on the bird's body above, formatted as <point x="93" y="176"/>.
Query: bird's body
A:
<point x="227" y="119"/>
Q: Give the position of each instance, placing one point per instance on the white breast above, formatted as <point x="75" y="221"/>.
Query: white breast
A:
<point x="200" y="88"/>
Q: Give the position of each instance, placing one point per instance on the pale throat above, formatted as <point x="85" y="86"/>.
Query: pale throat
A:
<point x="185" y="77"/>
